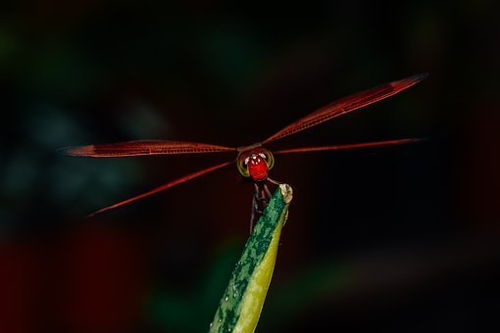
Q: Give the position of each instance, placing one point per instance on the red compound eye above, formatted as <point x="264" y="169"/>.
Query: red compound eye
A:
<point x="257" y="167"/>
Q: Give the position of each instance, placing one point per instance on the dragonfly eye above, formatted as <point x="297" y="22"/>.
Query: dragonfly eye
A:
<point x="268" y="158"/>
<point x="242" y="165"/>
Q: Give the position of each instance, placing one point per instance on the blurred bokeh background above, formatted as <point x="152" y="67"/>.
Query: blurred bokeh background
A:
<point x="401" y="239"/>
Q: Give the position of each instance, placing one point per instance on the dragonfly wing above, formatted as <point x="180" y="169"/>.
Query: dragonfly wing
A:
<point x="145" y="147"/>
<point x="164" y="187"/>
<point x="348" y="146"/>
<point x="346" y="105"/>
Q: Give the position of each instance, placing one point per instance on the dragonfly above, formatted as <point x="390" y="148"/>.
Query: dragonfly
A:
<point x="256" y="160"/>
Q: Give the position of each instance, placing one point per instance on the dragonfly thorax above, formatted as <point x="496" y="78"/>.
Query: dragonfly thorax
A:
<point x="255" y="163"/>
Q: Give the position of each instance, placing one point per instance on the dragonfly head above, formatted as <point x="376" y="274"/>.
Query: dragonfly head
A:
<point x="255" y="163"/>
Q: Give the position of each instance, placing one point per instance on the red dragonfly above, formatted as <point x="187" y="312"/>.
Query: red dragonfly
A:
<point x="253" y="161"/>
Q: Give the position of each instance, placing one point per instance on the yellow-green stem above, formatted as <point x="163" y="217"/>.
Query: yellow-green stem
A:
<point x="240" y="307"/>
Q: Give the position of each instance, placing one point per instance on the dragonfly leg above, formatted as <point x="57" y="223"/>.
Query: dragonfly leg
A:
<point x="254" y="213"/>
<point x="272" y="181"/>
<point x="268" y="193"/>
<point x="259" y="202"/>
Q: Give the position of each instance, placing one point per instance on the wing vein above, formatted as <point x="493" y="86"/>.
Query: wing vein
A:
<point x="144" y="147"/>
<point x="348" y="146"/>
<point x="163" y="187"/>
<point x="346" y="105"/>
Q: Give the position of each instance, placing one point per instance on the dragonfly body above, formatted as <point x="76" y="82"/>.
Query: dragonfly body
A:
<point x="252" y="161"/>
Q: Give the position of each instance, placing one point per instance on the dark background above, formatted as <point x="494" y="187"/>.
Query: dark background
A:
<point x="401" y="239"/>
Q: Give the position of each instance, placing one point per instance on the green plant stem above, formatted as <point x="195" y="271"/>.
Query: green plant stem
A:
<point x="241" y="304"/>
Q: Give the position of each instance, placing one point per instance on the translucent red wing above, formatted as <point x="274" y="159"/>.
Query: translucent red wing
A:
<point x="145" y="147"/>
<point x="346" y="105"/>
<point x="163" y="187"/>
<point x="348" y="146"/>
